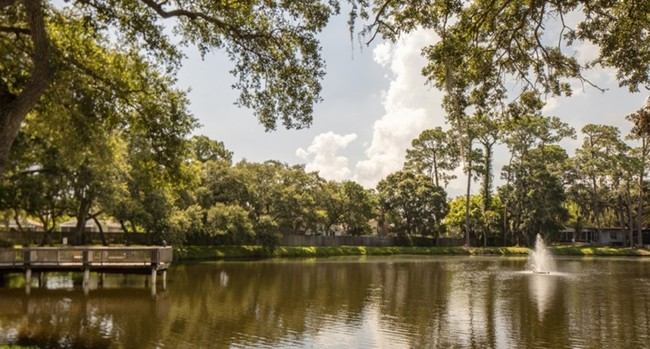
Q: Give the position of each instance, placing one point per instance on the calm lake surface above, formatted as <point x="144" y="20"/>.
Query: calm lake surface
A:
<point x="367" y="302"/>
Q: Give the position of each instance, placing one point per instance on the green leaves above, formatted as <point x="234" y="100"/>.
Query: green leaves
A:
<point x="123" y="49"/>
<point x="413" y="203"/>
<point x="434" y="153"/>
<point x="486" y="53"/>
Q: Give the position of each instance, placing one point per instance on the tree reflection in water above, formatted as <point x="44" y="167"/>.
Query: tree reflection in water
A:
<point x="396" y="302"/>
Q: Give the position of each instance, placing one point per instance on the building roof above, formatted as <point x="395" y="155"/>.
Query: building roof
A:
<point x="90" y="223"/>
<point x="24" y="222"/>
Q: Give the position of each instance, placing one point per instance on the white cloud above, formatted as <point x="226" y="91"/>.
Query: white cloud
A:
<point x="382" y="54"/>
<point x="321" y="155"/>
<point x="551" y="104"/>
<point x="410" y="107"/>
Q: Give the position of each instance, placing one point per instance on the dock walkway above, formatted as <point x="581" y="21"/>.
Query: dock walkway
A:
<point x="142" y="260"/>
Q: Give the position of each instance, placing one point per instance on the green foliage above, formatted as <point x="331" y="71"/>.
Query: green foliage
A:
<point x="403" y="240"/>
<point x="455" y="219"/>
<point x="597" y="251"/>
<point x="38" y="184"/>
<point x="435" y="154"/>
<point x="600" y="164"/>
<point x="413" y="203"/>
<point x="188" y="253"/>
<point x="230" y="220"/>
<point x="535" y="197"/>
<point x="534" y="193"/>
<point x="275" y="53"/>
<point x="205" y="149"/>
<point x="481" y="47"/>
<point x="348" y="205"/>
<point x="6" y="244"/>
<point x="267" y="233"/>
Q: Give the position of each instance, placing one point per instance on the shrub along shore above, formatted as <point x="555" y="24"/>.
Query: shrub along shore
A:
<point x="193" y="253"/>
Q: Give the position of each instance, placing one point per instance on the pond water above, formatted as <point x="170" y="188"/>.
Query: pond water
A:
<point x="367" y="302"/>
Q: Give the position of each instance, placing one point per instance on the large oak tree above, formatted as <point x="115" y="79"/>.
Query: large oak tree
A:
<point x="500" y="42"/>
<point x="272" y="44"/>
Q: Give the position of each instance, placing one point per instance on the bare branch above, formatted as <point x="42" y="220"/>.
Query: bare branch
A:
<point x="179" y="13"/>
<point x="235" y="32"/>
<point x="378" y="23"/>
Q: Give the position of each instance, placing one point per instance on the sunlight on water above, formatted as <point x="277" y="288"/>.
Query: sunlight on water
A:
<point x="375" y="302"/>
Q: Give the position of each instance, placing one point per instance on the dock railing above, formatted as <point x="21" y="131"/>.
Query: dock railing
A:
<point x="86" y="257"/>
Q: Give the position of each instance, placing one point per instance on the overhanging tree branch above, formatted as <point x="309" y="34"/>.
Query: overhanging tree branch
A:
<point x="192" y="15"/>
<point x="13" y="113"/>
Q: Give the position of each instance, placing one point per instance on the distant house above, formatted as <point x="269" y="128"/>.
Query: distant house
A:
<point x="613" y="237"/>
<point x="610" y="236"/>
<point x="335" y="230"/>
<point x="26" y="224"/>
<point x="91" y="227"/>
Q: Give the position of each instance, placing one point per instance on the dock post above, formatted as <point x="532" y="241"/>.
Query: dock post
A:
<point x="154" y="273"/>
<point x="86" y="276"/>
<point x="27" y="261"/>
<point x="164" y="279"/>
<point x="86" y="262"/>
<point x="28" y="281"/>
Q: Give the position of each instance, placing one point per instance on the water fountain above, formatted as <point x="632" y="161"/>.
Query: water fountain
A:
<point x="540" y="260"/>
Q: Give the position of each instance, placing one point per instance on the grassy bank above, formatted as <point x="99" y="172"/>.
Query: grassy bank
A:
<point x="189" y="253"/>
<point x="598" y="251"/>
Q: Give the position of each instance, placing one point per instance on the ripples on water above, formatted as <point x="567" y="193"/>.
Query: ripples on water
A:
<point x="390" y="302"/>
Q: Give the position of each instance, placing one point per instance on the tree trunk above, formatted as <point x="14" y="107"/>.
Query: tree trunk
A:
<point x="487" y="186"/>
<point x="467" y="204"/>
<point x="621" y="206"/>
<point x="630" y="220"/>
<point x="46" y="220"/>
<point x="126" y="233"/>
<point x="82" y="217"/>
<point x="505" y="223"/>
<point x="596" y="206"/>
<point x="47" y="237"/>
<point x="435" y="169"/>
<point x="99" y="227"/>
<point x="639" y="213"/>
<point x="17" y="220"/>
<point x="14" y="108"/>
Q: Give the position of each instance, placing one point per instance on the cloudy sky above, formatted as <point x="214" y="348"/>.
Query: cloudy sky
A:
<point x="375" y="103"/>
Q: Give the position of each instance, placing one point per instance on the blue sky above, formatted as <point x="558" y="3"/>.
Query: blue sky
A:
<point x="375" y="103"/>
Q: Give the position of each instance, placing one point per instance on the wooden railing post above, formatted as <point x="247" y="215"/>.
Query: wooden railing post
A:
<point x="155" y="256"/>
<point x="27" y="258"/>
<point x="86" y="265"/>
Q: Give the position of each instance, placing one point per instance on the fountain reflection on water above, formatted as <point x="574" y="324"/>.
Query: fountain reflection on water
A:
<point x="540" y="260"/>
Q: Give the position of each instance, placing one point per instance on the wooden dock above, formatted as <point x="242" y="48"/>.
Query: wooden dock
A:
<point x="142" y="260"/>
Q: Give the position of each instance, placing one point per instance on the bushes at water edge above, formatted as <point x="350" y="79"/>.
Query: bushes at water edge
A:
<point x="188" y="253"/>
<point x="598" y="251"/>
